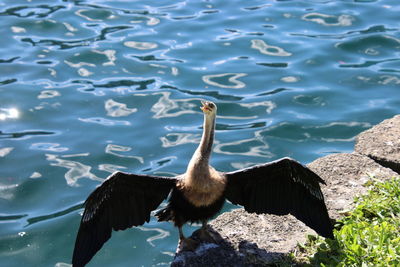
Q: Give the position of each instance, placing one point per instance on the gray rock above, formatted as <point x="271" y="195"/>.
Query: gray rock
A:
<point x="382" y="143"/>
<point x="236" y="238"/>
<point x="269" y="232"/>
<point x="345" y="175"/>
<point x="209" y="254"/>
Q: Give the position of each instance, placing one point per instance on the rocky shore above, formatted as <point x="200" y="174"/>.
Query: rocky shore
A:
<point x="246" y="239"/>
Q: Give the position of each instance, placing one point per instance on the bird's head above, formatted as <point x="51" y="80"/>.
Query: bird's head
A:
<point x="208" y="108"/>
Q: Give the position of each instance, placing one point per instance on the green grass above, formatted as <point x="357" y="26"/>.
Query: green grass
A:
<point x="369" y="236"/>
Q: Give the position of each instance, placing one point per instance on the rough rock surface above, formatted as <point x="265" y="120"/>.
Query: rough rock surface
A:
<point x="223" y="253"/>
<point x="382" y="143"/>
<point x="345" y="176"/>
<point x="244" y="239"/>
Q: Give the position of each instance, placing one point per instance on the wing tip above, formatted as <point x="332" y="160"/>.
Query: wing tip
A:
<point x="328" y="233"/>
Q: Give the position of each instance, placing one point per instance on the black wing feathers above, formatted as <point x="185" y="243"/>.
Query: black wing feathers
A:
<point x="281" y="187"/>
<point x="122" y="201"/>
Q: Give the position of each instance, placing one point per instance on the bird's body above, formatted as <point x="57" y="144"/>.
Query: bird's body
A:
<point x="197" y="207"/>
<point x="125" y="200"/>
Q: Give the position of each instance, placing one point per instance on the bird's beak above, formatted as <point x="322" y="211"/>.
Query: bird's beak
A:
<point x="204" y="108"/>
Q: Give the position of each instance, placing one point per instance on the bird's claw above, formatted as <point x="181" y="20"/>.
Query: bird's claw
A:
<point x="206" y="236"/>
<point x="188" y="244"/>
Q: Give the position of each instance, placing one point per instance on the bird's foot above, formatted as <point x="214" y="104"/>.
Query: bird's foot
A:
<point x="206" y="236"/>
<point x="188" y="244"/>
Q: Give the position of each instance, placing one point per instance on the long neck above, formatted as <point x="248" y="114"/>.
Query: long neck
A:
<point x="207" y="139"/>
<point x="202" y="154"/>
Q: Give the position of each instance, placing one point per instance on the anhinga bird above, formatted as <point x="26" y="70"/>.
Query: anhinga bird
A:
<point x="125" y="200"/>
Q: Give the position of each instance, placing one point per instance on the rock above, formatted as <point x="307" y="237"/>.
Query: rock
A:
<point x="237" y="242"/>
<point x="208" y="254"/>
<point x="382" y="143"/>
<point x="269" y="232"/>
<point x="345" y="175"/>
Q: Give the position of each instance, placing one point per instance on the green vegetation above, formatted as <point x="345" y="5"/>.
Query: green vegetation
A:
<point x="369" y="236"/>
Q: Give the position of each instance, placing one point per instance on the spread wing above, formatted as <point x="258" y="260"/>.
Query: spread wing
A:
<point x="281" y="187"/>
<point x="123" y="200"/>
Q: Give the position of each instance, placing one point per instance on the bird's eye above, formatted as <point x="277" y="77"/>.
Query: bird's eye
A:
<point x="211" y="105"/>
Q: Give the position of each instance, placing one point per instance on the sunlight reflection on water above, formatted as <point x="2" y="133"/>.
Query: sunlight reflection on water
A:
<point x="231" y="77"/>
<point x="76" y="170"/>
<point x="4" y="151"/>
<point x="271" y="50"/>
<point x="329" y="20"/>
<point x="9" y="113"/>
<point x="116" y="109"/>
<point x="176" y="139"/>
<point x="113" y="149"/>
<point x="167" y="107"/>
<point x="161" y="234"/>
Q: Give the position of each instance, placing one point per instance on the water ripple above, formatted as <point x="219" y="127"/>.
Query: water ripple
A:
<point x="158" y="164"/>
<point x="113" y="149"/>
<point x="4" y="151"/>
<point x="223" y="80"/>
<point x="246" y="147"/>
<point x="10" y="60"/>
<point x="176" y="139"/>
<point x="122" y="86"/>
<point x="140" y="45"/>
<point x="116" y="109"/>
<point x="235" y="34"/>
<point x="111" y="168"/>
<point x="343" y="131"/>
<point x="329" y="20"/>
<point x="166" y="107"/>
<point x="76" y="170"/>
<point x="370" y="30"/>
<point x="53" y="147"/>
<point x="26" y="134"/>
<point x="92" y="58"/>
<point x="69" y="44"/>
<point x="39" y="11"/>
<point x="268" y="104"/>
<point x="270" y="50"/>
<point x="367" y="63"/>
<point x="8" y="81"/>
<point x="227" y="127"/>
<point x="37" y="219"/>
<point x="374" y="45"/>
<point x="48" y="94"/>
<point x="213" y="94"/>
<point x="273" y="64"/>
<point x="104" y="121"/>
<point x="274" y="91"/>
<point x="7" y="191"/>
<point x="253" y="8"/>
<point x="11" y="218"/>
<point x="161" y="234"/>
<point x="94" y="15"/>
<point x="136" y="84"/>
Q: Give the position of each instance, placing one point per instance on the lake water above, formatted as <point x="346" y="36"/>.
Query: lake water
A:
<point x="91" y="87"/>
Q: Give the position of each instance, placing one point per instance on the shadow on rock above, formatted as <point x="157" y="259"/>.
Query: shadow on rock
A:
<point x="223" y="253"/>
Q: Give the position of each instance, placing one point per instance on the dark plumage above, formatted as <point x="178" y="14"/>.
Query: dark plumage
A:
<point x="125" y="200"/>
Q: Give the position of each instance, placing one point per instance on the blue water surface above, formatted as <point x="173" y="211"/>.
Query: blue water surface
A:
<point x="91" y="87"/>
